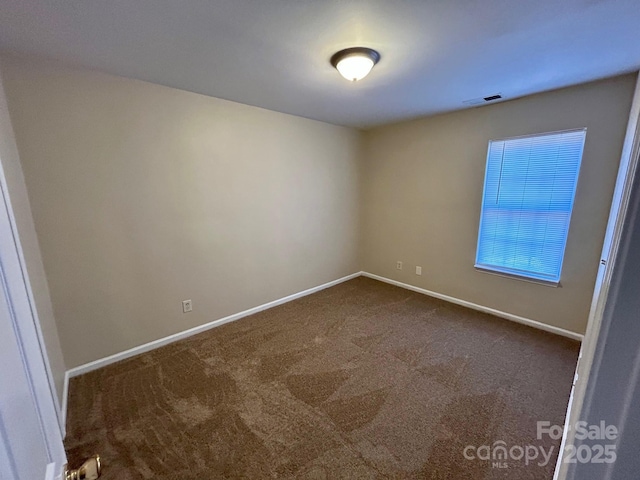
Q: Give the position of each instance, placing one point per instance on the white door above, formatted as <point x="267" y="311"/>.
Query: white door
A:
<point x="30" y="438"/>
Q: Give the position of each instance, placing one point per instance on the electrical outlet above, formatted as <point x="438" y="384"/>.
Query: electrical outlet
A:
<point x="418" y="270"/>
<point x="187" y="306"/>
<point x="399" y="265"/>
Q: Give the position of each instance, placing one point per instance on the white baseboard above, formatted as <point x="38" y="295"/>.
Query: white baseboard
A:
<point x="132" y="352"/>
<point x="481" y="308"/>
<point x="103" y="362"/>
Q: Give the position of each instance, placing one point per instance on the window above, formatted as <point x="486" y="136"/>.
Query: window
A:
<point x="529" y="188"/>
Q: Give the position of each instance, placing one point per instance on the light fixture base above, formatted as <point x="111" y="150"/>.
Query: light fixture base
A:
<point x="355" y="63"/>
<point x="364" y="51"/>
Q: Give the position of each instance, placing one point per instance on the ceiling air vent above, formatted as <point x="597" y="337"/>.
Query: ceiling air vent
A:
<point x="482" y="100"/>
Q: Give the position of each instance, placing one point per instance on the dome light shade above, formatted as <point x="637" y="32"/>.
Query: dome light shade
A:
<point x="355" y="63"/>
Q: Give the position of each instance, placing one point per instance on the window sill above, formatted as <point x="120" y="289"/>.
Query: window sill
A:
<point x="522" y="278"/>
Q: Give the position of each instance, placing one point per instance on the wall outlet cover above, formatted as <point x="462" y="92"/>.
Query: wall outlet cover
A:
<point x="187" y="306"/>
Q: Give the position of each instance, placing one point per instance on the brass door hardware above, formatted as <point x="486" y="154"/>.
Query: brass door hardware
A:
<point x="89" y="470"/>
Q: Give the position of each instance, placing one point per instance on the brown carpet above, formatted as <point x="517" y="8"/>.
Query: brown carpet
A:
<point x="362" y="380"/>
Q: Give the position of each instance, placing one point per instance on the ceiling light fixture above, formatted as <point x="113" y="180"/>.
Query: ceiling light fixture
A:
<point x="355" y="63"/>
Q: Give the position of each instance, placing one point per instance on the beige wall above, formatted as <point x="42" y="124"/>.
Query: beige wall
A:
<point x="17" y="191"/>
<point x="423" y="188"/>
<point x="144" y="196"/>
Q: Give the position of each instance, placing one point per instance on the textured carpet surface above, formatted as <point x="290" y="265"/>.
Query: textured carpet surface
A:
<point x="362" y="380"/>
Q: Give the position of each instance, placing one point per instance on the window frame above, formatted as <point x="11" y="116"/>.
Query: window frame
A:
<point x="515" y="273"/>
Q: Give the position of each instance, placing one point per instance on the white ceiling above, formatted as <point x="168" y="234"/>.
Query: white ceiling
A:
<point x="275" y="53"/>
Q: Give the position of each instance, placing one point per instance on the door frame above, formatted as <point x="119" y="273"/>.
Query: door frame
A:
<point x="16" y="288"/>
<point x="588" y="358"/>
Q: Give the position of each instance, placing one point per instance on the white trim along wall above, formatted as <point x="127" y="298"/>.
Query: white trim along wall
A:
<point x="103" y="362"/>
<point x="481" y="308"/>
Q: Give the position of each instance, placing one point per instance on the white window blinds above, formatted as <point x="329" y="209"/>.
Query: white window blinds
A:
<point x="529" y="188"/>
